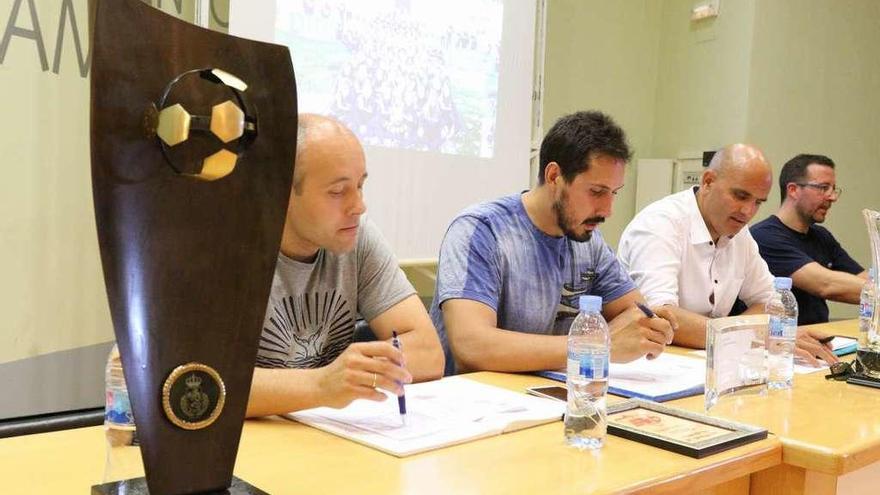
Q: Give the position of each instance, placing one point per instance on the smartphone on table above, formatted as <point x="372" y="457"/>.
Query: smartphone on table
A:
<point x="554" y="392"/>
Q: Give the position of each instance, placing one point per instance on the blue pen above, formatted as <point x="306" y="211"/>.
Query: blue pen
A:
<point x="648" y="313"/>
<point x="401" y="399"/>
<point x="646" y="310"/>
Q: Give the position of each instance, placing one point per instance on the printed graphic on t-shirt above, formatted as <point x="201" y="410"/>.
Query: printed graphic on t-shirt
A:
<point x="570" y="293"/>
<point x="568" y="301"/>
<point x="308" y="331"/>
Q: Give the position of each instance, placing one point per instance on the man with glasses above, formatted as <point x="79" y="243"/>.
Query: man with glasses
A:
<point x="794" y="246"/>
<point x="692" y="252"/>
<point x="511" y="270"/>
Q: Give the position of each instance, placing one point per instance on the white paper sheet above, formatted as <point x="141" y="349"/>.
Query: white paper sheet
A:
<point x="440" y="413"/>
<point x="667" y="376"/>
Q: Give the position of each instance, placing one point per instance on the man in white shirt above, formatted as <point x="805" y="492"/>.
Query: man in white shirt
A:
<point x="690" y="251"/>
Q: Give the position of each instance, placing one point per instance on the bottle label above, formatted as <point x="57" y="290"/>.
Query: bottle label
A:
<point x="866" y="309"/>
<point x="118" y="408"/>
<point x="783" y="328"/>
<point x="594" y="366"/>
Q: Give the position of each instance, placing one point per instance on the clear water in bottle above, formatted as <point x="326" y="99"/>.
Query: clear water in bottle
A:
<point x="587" y="376"/>
<point x="783" y="311"/>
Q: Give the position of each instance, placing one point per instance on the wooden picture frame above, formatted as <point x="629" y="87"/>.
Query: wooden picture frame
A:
<point x="684" y="432"/>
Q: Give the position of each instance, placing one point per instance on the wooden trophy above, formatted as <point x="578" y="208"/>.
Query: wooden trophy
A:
<point x="193" y="138"/>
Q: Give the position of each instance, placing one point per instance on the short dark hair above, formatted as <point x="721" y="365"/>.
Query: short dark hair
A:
<point x="795" y="170"/>
<point x="575" y="139"/>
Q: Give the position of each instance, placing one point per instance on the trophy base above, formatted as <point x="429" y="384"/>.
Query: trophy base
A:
<point x="138" y="486"/>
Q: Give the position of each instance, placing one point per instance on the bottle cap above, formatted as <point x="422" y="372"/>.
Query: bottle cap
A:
<point x="590" y="304"/>
<point x="782" y="283"/>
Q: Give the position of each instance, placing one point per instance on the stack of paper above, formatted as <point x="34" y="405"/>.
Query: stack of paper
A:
<point x="667" y="377"/>
<point x="440" y="413"/>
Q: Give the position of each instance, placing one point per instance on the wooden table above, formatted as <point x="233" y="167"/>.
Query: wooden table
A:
<point x="285" y="457"/>
<point x="830" y="431"/>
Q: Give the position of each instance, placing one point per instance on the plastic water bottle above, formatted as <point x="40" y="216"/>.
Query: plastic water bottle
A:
<point x="123" y="452"/>
<point x="589" y="342"/>
<point x="867" y="334"/>
<point x="783" y="311"/>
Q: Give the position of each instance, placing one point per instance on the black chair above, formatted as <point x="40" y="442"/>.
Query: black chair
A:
<point x="363" y="332"/>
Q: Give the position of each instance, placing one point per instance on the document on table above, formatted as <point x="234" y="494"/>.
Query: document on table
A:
<point x="440" y="413"/>
<point x="667" y="377"/>
<point x="803" y="368"/>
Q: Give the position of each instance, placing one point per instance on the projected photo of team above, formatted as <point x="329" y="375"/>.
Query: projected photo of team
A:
<point x="403" y="74"/>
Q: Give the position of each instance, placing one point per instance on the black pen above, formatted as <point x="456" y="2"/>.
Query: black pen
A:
<point x="401" y="399"/>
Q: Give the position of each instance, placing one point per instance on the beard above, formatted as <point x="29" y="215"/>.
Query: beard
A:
<point x="811" y="217"/>
<point x="567" y="225"/>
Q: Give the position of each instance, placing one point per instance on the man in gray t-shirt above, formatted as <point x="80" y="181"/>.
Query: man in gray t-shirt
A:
<point x="334" y="266"/>
<point x="313" y="306"/>
<point x="510" y="270"/>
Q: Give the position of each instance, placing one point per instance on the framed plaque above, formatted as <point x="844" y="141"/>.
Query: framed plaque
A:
<point x="684" y="432"/>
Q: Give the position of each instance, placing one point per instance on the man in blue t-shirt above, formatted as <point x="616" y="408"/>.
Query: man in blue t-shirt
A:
<point x="511" y="270"/>
<point x="794" y="246"/>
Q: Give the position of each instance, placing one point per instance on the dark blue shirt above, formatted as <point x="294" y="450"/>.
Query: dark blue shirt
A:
<point x="786" y="250"/>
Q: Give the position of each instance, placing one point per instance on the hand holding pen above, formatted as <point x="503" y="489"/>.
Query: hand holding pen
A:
<point x="360" y="372"/>
<point x="663" y="313"/>
<point x="633" y="335"/>
<point x="646" y="310"/>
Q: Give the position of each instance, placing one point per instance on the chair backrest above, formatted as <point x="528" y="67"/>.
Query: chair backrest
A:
<point x="51" y="422"/>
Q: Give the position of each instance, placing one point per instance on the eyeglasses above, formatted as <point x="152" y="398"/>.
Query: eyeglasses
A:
<point x="841" y="370"/>
<point x="827" y="189"/>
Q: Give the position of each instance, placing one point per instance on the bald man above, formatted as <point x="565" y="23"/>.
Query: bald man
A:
<point x="692" y="251"/>
<point x="333" y="267"/>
